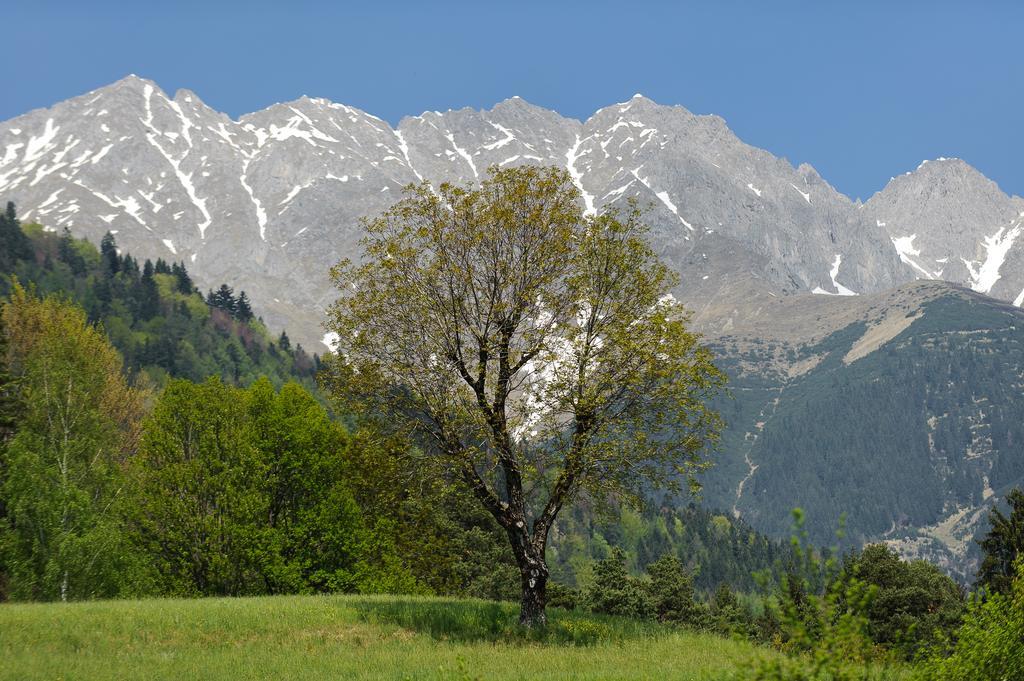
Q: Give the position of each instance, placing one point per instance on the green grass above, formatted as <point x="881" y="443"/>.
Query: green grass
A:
<point x="344" y="637"/>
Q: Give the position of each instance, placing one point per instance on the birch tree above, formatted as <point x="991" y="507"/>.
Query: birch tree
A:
<point x="62" y="474"/>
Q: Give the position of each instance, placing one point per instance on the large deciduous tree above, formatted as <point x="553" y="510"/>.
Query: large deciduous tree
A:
<point x="532" y="351"/>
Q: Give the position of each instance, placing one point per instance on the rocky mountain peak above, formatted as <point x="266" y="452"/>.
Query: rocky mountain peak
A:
<point x="269" y="201"/>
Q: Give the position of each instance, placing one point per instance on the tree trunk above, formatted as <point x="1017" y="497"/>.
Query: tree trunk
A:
<point x="535" y="583"/>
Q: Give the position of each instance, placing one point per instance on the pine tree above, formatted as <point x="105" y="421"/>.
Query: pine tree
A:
<point x="1003" y="544"/>
<point x="149" y="296"/>
<point x="185" y="284"/>
<point x="108" y="255"/>
<point x="223" y="298"/>
<point x="10" y="405"/>
<point x="243" y="310"/>
<point x="68" y="254"/>
<point x="129" y="266"/>
<point x="14" y="244"/>
<point x="284" y="343"/>
<point x="671" y="591"/>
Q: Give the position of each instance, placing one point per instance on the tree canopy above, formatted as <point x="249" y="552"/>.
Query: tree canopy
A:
<point x="531" y="350"/>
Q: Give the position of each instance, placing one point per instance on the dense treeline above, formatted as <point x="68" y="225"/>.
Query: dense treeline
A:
<point x="108" y="489"/>
<point x="714" y="548"/>
<point x="152" y="312"/>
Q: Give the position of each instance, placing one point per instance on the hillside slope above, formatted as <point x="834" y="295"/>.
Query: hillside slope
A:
<point x="901" y="411"/>
<point x="154" y="315"/>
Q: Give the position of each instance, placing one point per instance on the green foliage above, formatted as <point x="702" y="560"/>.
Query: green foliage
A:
<point x="612" y="591"/>
<point x="242" y="491"/>
<point x="451" y="544"/>
<point x="915" y="605"/>
<point x="10" y="403"/>
<point x="726" y="614"/>
<point x="62" y="473"/>
<point x="1002" y="545"/>
<point x="825" y="635"/>
<point x="671" y="592"/>
<point x="712" y="547"/>
<point x="153" y="315"/>
<point x="990" y="644"/>
<point x="466" y="296"/>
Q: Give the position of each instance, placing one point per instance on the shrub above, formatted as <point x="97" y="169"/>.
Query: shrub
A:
<point x="915" y="605"/>
<point x="613" y="592"/>
<point x="670" y="592"/>
<point x="990" y="644"/>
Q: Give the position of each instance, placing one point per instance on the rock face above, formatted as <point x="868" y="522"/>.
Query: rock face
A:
<point x="269" y="202"/>
<point x="950" y="222"/>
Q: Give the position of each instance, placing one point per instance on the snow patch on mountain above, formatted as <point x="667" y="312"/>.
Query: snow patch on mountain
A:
<point x="905" y="248"/>
<point x="833" y="273"/>
<point x="996" y="247"/>
<point x="571" y="156"/>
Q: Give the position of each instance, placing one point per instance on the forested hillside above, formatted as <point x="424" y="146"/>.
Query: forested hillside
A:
<point x="152" y="312"/>
<point x="911" y="438"/>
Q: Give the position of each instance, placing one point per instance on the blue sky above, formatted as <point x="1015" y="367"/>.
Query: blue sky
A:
<point x="862" y="90"/>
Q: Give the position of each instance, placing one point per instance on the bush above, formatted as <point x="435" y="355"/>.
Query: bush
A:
<point x="915" y="606"/>
<point x="560" y="596"/>
<point x="990" y="644"/>
<point x="613" y="592"/>
<point x="670" y="592"/>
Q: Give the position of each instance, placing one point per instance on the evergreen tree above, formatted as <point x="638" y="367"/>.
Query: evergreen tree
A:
<point x="1002" y="545"/>
<point x="149" y="303"/>
<point x="223" y="299"/>
<point x="14" y="244"/>
<point x="185" y="284"/>
<point x="284" y="343"/>
<point x="108" y="255"/>
<point x="243" y="310"/>
<point x="129" y="265"/>
<point x="10" y="405"/>
<point x="671" y="591"/>
<point x="613" y="592"/>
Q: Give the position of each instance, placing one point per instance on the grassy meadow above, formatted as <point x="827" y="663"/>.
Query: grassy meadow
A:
<point x="344" y="637"/>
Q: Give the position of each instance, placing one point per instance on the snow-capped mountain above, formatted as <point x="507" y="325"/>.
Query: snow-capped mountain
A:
<point x="269" y="202"/>
<point x="950" y="222"/>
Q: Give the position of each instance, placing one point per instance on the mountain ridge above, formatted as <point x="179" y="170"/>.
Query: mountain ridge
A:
<point x="271" y="199"/>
